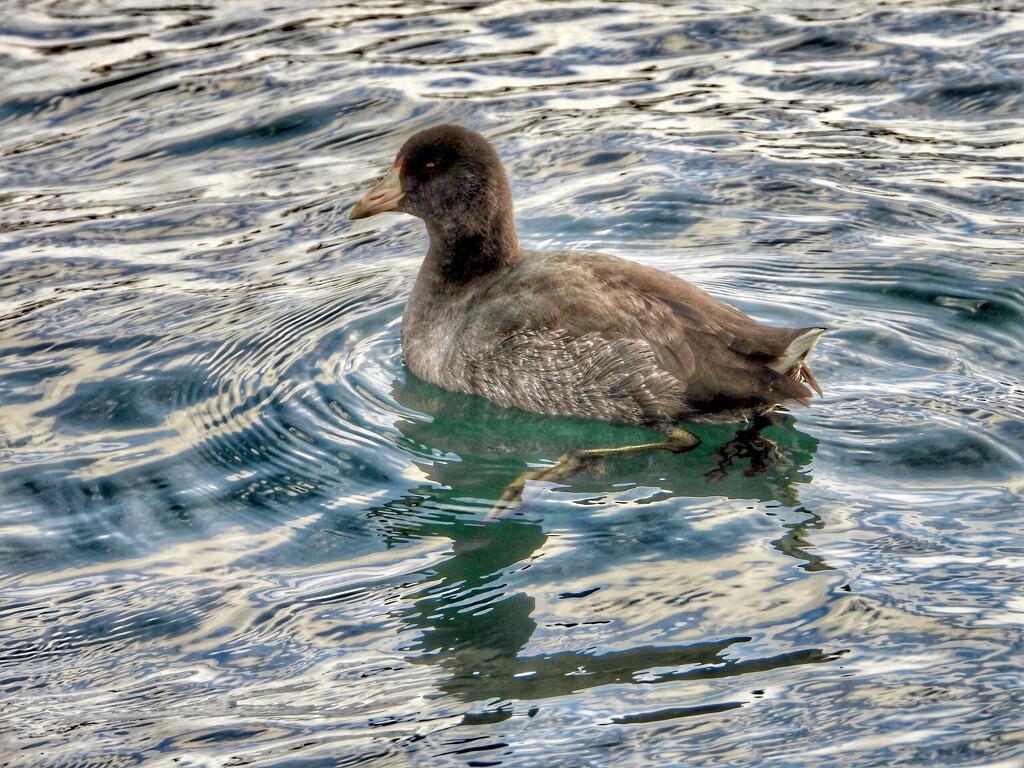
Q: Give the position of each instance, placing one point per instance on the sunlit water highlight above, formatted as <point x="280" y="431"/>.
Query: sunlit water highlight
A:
<point x="235" y="531"/>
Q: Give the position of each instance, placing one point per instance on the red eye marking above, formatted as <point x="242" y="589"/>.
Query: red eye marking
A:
<point x="429" y="167"/>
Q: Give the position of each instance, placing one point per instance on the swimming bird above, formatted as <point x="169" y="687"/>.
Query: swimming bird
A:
<point x="568" y="333"/>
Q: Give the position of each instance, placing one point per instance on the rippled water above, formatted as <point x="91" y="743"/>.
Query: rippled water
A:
<point x="235" y="531"/>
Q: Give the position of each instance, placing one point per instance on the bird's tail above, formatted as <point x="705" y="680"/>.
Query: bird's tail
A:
<point x="791" y="362"/>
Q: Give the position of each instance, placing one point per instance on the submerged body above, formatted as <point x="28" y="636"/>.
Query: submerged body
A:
<point x="568" y="333"/>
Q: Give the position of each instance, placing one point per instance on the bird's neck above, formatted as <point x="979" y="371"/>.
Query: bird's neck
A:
<point x="461" y="253"/>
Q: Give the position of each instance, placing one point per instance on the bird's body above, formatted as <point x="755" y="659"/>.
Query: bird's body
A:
<point x="568" y="333"/>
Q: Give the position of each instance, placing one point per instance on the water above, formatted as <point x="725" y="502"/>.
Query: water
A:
<point x="235" y="531"/>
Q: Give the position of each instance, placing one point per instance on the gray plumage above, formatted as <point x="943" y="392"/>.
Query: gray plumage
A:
<point x="568" y="333"/>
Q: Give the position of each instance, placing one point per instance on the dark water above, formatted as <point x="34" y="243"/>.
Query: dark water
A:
<point x="234" y="531"/>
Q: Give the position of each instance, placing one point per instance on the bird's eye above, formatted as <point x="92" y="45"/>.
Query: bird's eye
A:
<point x="429" y="167"/>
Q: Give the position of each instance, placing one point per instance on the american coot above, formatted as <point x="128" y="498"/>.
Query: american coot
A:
<point x="568" y="333"/>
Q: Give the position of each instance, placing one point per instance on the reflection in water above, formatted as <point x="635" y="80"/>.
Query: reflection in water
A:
<point x="765" y="460"/>
<point x="476" y="634"/>
<point x="464" y="617"/>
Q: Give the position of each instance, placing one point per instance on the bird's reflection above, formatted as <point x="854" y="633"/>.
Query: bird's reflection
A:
<point x="466" y="619"/>
<point x="465" y="622"/>
<point x="765" y="460"/>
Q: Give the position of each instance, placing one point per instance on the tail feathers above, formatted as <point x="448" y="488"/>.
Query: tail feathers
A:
<point x="797" y="350"/>
<point x="791" y="362"/>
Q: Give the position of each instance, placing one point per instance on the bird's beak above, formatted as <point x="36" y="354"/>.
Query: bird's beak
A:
<point x="385" y="195"/>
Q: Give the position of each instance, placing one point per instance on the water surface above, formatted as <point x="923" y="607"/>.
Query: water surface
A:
<point x="235" y="531"/>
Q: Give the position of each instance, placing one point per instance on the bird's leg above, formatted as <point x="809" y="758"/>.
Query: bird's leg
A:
<point x="571" y="462"/>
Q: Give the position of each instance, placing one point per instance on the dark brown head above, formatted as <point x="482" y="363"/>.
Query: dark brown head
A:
<point x="452" y="178"/>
